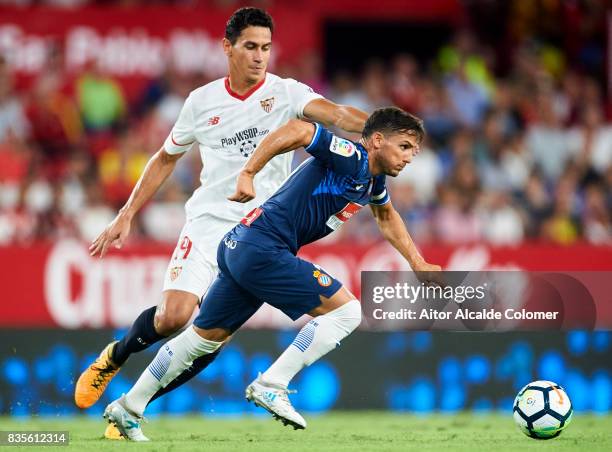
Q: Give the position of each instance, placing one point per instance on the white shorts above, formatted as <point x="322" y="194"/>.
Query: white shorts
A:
<point x="193" y="266"/>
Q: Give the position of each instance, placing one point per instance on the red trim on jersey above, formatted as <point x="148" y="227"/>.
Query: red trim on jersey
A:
<point x="178" y="144"/>
<point x="245" y="95"/>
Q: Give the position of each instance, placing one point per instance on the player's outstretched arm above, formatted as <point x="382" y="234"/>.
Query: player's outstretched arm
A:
<point x="155" y="173"/>
<point x="291" y="136"/>
<point x="394" y="231"/>
<point x="329" y="114"/>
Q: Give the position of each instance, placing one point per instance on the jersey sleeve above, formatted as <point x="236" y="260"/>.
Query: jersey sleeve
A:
<point x="300" y="95"/>
<point x="182" y="134"/>
<point x="379" y="194"/>
<point x="338" y="154"/>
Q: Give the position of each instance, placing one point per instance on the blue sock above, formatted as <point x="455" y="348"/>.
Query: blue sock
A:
<point x="141" y="335"/>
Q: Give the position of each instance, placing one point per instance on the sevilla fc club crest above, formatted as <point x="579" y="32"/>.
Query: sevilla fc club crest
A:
<point x="267" y="104"/>
<point x="175" y="272"/>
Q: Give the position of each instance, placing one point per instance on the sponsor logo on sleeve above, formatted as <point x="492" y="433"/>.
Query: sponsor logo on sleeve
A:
<point x="251" y="216"/>
<point x="342" y="147"/>
<point x="339" y="218"/>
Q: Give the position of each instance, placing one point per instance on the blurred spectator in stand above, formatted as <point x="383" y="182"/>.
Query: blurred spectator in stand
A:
<point x="437" y="112"/>
<point x="36" y="200"/>
<point x="456" y="220"/>
<point x="596" y="217"/>
<point x="591" y="142"/>
<point x="423" y="175"/>
<point x="571" y="95"/>
<point x="344" y="90"/>
<point x="72" y="196"/>
<point x="374" y="86"/>
<point x="310" y="70"/>
<point x="488" y="149"/>
<point x="404" y="83"/>
<point x="547" y="140"/>
<point x="608" y="188"/>
<point x="502" y="223"/>
<point x="463" y="53"/>
<point x="461" y="147"/>
<point x="416" y="214"/>
<point x="120" y="167"/>
<point x="507" y="109"/>
<point x="53" y="222"/>
<point x="516" y="163"/>
<point x="563" y="226"/>
<point x="468" y="99"/>
<point x="536" y="203"/>
<point x="55" y="122"/>
<point x="100" y="100"/>
<point x="96" y="214"/>
<point x="17" y="225"/>
<point x="13" y="122"/>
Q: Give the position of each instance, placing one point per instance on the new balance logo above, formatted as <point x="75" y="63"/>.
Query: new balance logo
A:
<point x="213" y="121"/>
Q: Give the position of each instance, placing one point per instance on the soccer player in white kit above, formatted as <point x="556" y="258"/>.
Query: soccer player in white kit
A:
<point x="226" y="118"/>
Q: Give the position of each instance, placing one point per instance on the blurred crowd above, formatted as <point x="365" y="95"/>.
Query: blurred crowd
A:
<point x="523" y="156"/>
<point x="526" y="156"/>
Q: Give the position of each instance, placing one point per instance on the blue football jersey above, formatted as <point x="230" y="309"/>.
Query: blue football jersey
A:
<point x="318" y="197"/>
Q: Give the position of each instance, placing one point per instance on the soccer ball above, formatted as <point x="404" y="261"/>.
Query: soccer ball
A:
<point x="542" y="410"/>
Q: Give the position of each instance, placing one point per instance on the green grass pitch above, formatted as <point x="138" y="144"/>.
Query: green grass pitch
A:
<point x="339" y="431"/>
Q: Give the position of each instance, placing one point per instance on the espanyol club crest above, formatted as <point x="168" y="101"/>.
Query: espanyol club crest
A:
<point x="323" y="279"/>
<point x="267" y="104"/>
<point x="247" y="147"/>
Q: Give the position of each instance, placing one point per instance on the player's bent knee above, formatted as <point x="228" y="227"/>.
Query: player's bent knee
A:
<point x="174" y="312"/>
<point x="214" y="334"/>
<point x="349" y="315"/>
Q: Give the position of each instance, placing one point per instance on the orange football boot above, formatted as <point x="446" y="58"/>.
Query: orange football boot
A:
<point x="93" y="381"/>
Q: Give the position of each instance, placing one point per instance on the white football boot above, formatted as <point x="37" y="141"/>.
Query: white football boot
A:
<point x="127" y="423"/>
<point x="274" y="399"/>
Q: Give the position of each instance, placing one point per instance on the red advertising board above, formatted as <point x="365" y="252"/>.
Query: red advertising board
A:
<point x="137" y="44"/>
<point x="59" y="284"/>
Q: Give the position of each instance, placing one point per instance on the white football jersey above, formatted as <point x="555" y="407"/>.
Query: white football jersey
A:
<point x="227" y="128"/>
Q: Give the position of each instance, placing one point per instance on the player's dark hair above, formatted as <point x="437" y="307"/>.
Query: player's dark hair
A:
<point x="247" y="17"/>
<point x="391" y="120"/>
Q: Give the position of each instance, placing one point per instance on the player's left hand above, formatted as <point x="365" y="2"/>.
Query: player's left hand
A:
<point x="245" y="191"/>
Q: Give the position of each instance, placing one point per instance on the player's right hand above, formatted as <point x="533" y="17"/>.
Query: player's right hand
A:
<point x="114" y="235"/>
<point x="245" y="191"/>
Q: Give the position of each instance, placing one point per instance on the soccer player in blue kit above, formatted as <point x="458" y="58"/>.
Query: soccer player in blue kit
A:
<point x="258" y="263"/>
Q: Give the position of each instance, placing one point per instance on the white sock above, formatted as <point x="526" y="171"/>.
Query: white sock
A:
<point x="171" y="360"/>
<point x="317" y="338"/>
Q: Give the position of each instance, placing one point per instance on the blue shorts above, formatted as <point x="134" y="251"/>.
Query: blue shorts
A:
<point x="250" y="275"/>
